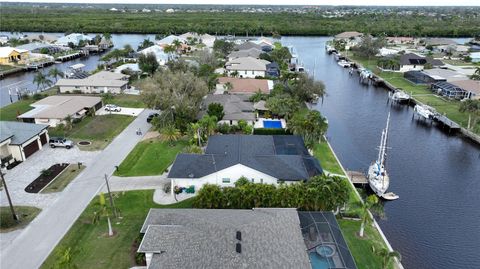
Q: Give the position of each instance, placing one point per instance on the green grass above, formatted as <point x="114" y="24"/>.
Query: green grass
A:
<point x="25" y="214"/>
<point x="322" y="152"/>
<point x="10" y="112"/>
<point x="127" y="100"/>
<point x="70" y="173"/>
<point x="361" y="248"/>
<point x="92" y="248"/>
<point x="149" y="157"/>
<point x="6" y="67"/>
<point x="100" y="130"/>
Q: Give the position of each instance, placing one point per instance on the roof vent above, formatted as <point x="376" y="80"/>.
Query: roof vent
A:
<point x="239" y="236"/>
<point x="239" y="248"/>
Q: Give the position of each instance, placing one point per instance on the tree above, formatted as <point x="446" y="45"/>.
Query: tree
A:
<point x="228" y="86"/>
<point x="195" y="133"/>
<point x="68" y="122"/>
<point x="282" y="56"/>
<point x="42" y="80"/>
<point x="370" y="204"/>
<point x="208" y="124"/>
<point x="472" y="107"/>
<point x="306" y="89"/>
<point x="55" y="72"/>
<point x="283" y="105"/>
<point x="386" y="255"/>
<point x="170" y="134"/>
<point x="148" y="63"/>
<point x="127" y="49"/>
<point x="476" y="75"/>
<point x="223" y="47"/>
<point x="215" y="109"/>
<point x="170" y="51"/>
<point x="145" y="44"/>
<point x="209" y="196"/>
<point x="107" y="36"/>
<point x="369" y="46"/>
<point x="103" y="213"/>
<point x="311" y="126"/>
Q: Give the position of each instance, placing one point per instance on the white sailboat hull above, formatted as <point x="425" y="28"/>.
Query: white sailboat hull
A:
<point x="378" y="179"/>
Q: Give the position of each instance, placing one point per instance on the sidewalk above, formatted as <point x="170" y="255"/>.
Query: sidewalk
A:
<point x="37" y="240"/>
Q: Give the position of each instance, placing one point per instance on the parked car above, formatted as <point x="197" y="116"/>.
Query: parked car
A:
<point x="60" y="142"/>
<point x="151" y="116"/>
<point x="112" y="108"/>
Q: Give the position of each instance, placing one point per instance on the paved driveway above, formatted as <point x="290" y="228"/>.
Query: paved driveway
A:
<point x="124" y="111"/>
<point x="33" y="245"/>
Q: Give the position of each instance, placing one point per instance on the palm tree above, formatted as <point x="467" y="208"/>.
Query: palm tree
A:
<point x="170" y="134"/>
<point x="170" y="50"/>
<point x="41" y="80"/>
<point x="196" y="130"/>
<point x="176" y="44"/>
<point x="103" y="212"/>
<point x="476" y="75"/>
<point x="68" y="122"/>
<point x="372" y="203"/>
<point x="228" y="86"/>
<point x="209" y="124"/>
<point x="387" y="256"/>
<point x="55" y="72"/>
<point x="107" y="36"/>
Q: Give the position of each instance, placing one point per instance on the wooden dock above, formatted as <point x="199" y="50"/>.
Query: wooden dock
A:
<point x="357" y="177"/>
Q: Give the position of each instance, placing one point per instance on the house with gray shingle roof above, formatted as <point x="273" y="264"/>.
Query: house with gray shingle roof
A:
<point x="235" y="108"/>
<point x="19" y="140"/>
<point x="269" y="159"/>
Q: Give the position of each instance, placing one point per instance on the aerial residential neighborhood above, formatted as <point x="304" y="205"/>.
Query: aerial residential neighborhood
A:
<point x="140" y="135"/>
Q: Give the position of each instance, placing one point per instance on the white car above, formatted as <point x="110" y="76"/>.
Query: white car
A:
<point x="112" y="108"/>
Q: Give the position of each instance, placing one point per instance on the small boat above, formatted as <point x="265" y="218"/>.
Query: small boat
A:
<point x="425" y="111"/>
<point x="377" y="175"/>
<point x="399" y="96"/>
<point x="344" y="63"/>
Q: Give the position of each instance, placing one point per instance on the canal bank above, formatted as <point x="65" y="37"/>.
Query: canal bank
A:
<point x="435" y="174"/>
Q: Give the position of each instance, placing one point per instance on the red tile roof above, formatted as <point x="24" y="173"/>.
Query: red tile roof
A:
<point x="246" y="85"/>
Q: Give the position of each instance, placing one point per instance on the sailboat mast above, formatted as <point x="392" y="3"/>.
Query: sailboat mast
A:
<point x="384" y="148"/>
<point x="380" y="151"/>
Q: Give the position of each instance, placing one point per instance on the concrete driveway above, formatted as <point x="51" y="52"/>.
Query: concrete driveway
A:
<point x="125" y="111"/>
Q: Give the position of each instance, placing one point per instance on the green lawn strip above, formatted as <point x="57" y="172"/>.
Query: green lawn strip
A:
<point x="127" y="100"/>
<point x="10" y="112"/>
<point x="89" y="244"/>
<point x="62" y="180"/>
<point x="25" y="214"/>
<point x="361" y="248"/>
<point x="322" y="152"/>
<point x="150" y="157"/>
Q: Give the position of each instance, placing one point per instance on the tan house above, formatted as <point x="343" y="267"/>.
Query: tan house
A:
<point x="101" y="82"/>
<point x="53" y="110"/>
<point x="243" y="85"/>
<point x="9" y="55"/>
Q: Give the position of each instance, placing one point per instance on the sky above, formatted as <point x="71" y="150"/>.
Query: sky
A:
<point x="278" y="2"/>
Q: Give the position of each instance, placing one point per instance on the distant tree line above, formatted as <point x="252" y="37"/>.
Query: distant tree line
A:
<point x="100" y="21"/>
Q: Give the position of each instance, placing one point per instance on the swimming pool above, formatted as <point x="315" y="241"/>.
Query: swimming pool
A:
<point x="318" y="262"/>
<point x="275" y="124"/>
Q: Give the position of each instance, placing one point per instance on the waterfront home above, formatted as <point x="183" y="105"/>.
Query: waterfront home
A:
<point x="472" y="87"/>
<point x="244" y="85"/>
<point x="3" y="39"/>
<point x="11" y="56"/>
<point x="168" y="40"/>
<point x="269" y="159"/>
<point x="53" y="110"/>
<point x="162" y="57"/>
<point x="235" y="108"/>
<point x="475" y="56"/>
<point x="412" y="61"/>
<point x="100" y="82"/>
<point x="399" y="40"/>
<point x="434" y="41"/>
<point x="449" y="90"/>
<point x="247" y="67"/>
<point x="387" y="51"/>
<point x="19" y="140"/>
<point x="351" y="38"/>
<point x="248" y="45"/>
<point x="74" y="39"/>
<point x="253" y="52"/>
<point x="43" y="37"/>
<point x="206" y="39"/>
<point x="38" y="47"/>
<point x="445" y="74"/>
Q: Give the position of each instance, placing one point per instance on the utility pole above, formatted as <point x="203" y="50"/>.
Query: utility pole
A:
<point x="111" y="198"/>
<point x="15" y="217"/>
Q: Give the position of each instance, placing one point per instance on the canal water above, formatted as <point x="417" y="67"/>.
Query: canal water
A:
<point x="436" y="221"/>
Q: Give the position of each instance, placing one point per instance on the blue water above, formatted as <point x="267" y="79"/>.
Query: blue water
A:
<point x="276" y="124"/>
<point x="319" y="262"/>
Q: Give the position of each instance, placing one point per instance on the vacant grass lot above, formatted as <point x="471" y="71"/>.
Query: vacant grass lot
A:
<point x="100" y="130"/>
<point x="322" y="152"/>
<point x="150" y="157"/>
<point x="70" y="173"/>
<point x="25" y="214"/>
<point x="127" y="100"/>
<point x="89" y="244"/>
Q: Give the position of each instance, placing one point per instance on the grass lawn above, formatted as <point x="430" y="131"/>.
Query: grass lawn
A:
<point x="149" y="157"/>
<point x="100" y="130"/>
<point x="88" y="243"/>
<point x="6" y="67"/>
<point x="322" y="152"/>
<point x="10" y="112"/>
<point x="63" y="179"/>
<point x="25" y="214"/>
<point x="127" y="100"/>
<point x="361" y="249"/>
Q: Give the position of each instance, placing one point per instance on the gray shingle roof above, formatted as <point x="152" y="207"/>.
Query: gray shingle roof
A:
<point x="248" y="45"/>
<point x="20" y="132"/>
<point x="234" y="107"/>
<point x="414" y="59"/>
<point x="253" y="52"/>
<point x="206" y="238"/>
<point x="281" y="156"/>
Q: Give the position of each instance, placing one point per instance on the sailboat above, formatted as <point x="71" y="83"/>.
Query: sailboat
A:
<point x="377" y="175"/>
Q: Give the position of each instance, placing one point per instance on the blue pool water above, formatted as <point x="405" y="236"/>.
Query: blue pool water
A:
<point x="276" y="124"/>
<point x="319" y="262"/>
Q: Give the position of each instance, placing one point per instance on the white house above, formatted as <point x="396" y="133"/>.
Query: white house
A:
<point x="247" y="67"/>
<point x="412" y="61"/>
<point x="206" y="39"/>
<point x="170" y="39"/>
<point x="100" y="82"/>
<point x="475" y="57"/>
<point x="19" y="140"/>
<point x="72" y="38"/>
<point x="162" y="57"/>
<point x="268" y="159"/>
<point x="351" y="38"/>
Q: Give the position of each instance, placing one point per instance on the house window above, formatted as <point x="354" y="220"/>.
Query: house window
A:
<point x="261" y="180"/>
<point x="253" y="180"/>
<point x="245" y="72"/>
<point x="225" y="180"/>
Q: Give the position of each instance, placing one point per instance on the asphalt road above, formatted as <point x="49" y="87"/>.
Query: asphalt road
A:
<point x="40" y="237"/>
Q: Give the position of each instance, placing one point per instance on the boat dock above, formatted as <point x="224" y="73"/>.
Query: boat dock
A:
<point x="357" y="178"/>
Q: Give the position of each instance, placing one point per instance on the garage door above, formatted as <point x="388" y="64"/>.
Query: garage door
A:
<point x="30" y="148"/>
<point x="43" y="138"/>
